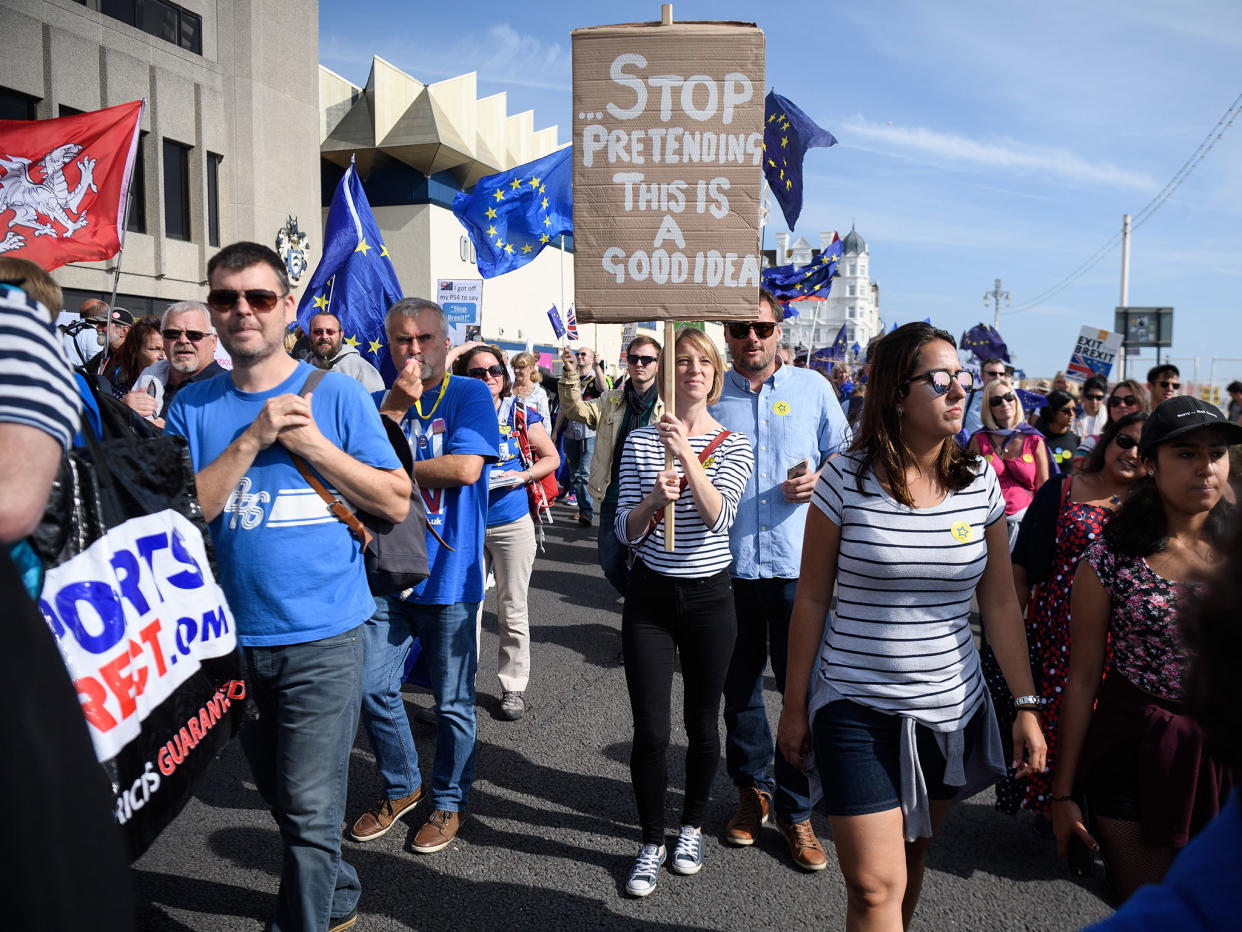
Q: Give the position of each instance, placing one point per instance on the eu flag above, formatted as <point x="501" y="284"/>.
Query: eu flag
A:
<point x="787" y="134"/>
<point x="512" y="215"/>
<point x="355" y="279"/>
<point x="788" y="281"/>
<point x="985" y="343"/>
<point x="837" y="353"/>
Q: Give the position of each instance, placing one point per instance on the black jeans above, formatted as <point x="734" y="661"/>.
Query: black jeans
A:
<point x="665" y="617"/>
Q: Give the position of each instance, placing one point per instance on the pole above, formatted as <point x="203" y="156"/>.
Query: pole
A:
<point x="670" y="370"/>
<point x="1125" y="280"/>
<point x="562" y="270"/>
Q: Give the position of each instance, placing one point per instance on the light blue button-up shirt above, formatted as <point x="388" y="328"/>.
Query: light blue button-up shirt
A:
<point x="794" y="416"/>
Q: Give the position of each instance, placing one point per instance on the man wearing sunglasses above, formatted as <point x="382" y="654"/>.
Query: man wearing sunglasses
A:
<point x="583" y="370"/>
<point x="189" y="356"/>
<point x="794" y="423"/>
<point x="613" y="416"/>
<point x="328" y="350"/>
<point x="972" y="418"/>
<point x="1162" y="383"/>
<point x="300" y="631"/>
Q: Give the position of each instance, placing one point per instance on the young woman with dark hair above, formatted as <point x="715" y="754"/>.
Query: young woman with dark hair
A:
<point x="1055" y="422"/>
<point x="143" y="346"/>
<point x="1126" y="397"/>
<point x="889" y="697"/>
<point x="1138" y="758"/>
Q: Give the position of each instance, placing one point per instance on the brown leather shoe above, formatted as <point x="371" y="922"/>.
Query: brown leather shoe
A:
<point x="437" y="832"/>
<point x="377" y="820"/>
<point x="752" y="812"/>
<point x="807" y="852"/>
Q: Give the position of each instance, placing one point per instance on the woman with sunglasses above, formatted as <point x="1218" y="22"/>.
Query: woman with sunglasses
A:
<point x="509" y="541"/>
<point x="1067" y="515"/>
<point x="1126" y="397"/>
<point x="679" y="605"/>
<point x="889" y="697"/>
<point x="1056" y="422"/>
<point x="1013" y="447"/>
<point x="1128" y="747"/>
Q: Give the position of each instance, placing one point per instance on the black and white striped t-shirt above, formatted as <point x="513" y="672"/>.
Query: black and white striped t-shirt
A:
<point x="900" y="640"/>
<point x="36" y="384"/>
<point x="699" y="550"/>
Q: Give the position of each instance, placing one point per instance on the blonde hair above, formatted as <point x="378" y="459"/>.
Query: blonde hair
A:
<point x="529" y="361"/>
<point x="985" y="404"/>
<point x="32" y="279"/>
<point x="701" y="342"/>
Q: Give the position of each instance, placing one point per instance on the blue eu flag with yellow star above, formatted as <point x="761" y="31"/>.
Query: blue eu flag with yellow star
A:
<point x="837" y="351"/>
<point x="787" y="282"/>
<point x="985" y="343"/>
<point x="512" y="215"/>
<point x="355" y="279"/>
<point x="787" y="134"/>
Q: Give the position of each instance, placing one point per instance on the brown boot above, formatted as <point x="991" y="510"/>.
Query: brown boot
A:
<point x="752" y="812"/>
<point x="377" y="820"/>
<point x="437" y="832"/>
<point x="807" y="852"/>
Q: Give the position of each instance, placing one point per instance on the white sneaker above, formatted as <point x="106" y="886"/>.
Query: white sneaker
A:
<point x="646" y="871"/>
<point x="688" y="855"/>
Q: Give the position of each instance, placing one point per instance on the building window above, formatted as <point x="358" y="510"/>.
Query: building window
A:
<point x="138" y="190"/>
<point x="849" y="290"/>
<point x="159" y="18"/>
<point x="213" y="198"/>
<point x="15" y="105"/>
<point x="176" y="190"/>
<point x="191" y="32"/>
<point x="64" y="111"/>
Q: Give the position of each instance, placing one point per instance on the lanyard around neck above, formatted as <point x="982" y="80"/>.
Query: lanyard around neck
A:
<point x="418" y="405"/>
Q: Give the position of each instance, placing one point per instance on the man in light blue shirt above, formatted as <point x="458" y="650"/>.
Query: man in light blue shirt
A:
<point x="794" y="423"/>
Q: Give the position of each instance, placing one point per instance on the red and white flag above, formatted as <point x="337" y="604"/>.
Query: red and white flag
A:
<point x="571" y="324"/>
<point x="63" y="184"/>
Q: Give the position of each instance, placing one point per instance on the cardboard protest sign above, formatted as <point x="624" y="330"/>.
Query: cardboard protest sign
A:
<point x="1093" y="354"/>
<point x="668" y="150"/>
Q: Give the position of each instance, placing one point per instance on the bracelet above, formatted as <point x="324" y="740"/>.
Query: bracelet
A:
<point x="1061" y="799"/>
<point x="1028" y="702"/>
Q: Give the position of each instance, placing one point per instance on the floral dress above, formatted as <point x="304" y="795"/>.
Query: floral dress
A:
<point x="1079" y="526"/>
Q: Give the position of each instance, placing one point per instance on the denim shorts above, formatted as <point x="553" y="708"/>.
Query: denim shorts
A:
<point x="857" y="753"/>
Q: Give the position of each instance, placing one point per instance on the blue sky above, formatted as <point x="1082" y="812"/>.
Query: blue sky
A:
<point x="976" y="141"/>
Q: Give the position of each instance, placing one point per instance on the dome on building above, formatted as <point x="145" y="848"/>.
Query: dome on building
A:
<point x="853" y="244"/>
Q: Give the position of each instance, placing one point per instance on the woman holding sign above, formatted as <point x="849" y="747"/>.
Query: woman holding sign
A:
<point x="679" y="602"/>
<point x="890" y="697"/>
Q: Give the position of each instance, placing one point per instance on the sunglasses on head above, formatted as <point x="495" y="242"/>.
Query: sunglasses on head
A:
<point x="194" y="336"/>
<point x="998" y="400"/>
<point x="1125" y="441"/>
<point x="941" y="379"/>
<point x="634" y="359"/>
<point x="763" y="329"/>
<point x="1118" y="400"/>
<point x="259" y="299"/>
<point x="481" y="373"/>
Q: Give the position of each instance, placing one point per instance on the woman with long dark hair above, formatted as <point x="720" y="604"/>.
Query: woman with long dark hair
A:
<point x="1126" y="397"/>
<point x="890" y="697"/>
<point x="143" y="347"/>
<point x="1056" y="422"/>
<point x="1138" y="758"/>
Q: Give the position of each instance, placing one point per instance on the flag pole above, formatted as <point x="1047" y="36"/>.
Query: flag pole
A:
<point x="129" y="196"/>
<point x="670" y="370"/>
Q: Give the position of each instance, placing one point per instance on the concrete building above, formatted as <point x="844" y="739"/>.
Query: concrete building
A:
<point x="229" y="140"/>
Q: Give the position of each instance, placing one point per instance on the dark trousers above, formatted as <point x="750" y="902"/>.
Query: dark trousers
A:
<point x="763" y="610"/>
<point x="665" y="617"/>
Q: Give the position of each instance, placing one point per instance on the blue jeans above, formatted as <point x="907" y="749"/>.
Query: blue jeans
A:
<point x="579" y="453"/>
<point x="763" y="609"/>
<point x="612" y="553"/>
<point x="306" y="699"/>
<point x="447" y="635"/>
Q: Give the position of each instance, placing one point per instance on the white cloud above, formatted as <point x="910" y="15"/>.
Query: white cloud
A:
<point x="1002" y="154"/>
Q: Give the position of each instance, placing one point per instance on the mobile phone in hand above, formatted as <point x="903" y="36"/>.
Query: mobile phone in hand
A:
<point x="798" y="469"/>
<point x="1081" y="860"/>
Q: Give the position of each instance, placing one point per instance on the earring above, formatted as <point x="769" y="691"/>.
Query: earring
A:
<point x="900" y="410"/>
<point x="1151" y="472"/>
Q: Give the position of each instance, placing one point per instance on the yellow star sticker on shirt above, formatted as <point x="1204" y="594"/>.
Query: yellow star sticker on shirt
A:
<point x="362" y="247"/>
<point x="516" y="184"/>
<point x="500" y="194"/>
<point x="527" y="248"/>
<point x="491" y="213"/>
<point x="375" y="346"/>
<point x="321" y="301"/>
<point x="352" y="341"/>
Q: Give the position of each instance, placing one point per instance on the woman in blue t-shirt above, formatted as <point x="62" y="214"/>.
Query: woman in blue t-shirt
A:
<point x="509" y="543"/>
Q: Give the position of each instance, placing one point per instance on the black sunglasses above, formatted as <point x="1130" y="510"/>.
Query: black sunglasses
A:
<point x="1118" y="400"/>
<point x="763" y="329"/>
<point x="481" y="373"/>
<point x="1163" y="383"/>
<point x="1092" y="397"/>
<point x="636" y="360"/>
<point x="998" y="400"/>
<point x="941" y="379"/>
<point x="259" y="299"/>
<point x="193" y="336"/>
<point x="1125" y="441"/>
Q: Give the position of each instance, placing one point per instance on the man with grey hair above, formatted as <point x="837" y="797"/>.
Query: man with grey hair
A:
<point x="453" y="432"/>
<point x="189" y="356"/>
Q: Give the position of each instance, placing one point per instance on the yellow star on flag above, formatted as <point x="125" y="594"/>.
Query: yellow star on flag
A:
<point x="784" y="141"/>
<point x="527" y="248"/>
<point x="545" y="204"/>
<point x="383" y="251"/>
<point x="509" y="248"/>
<point x="788" y="184"/>
<point x="544" y="239"/>
<point x="543" y="189"/>
<point x="500" y="194"/>
<point x="375" y="346"/>
<point x="491" y="231"/>
<point x="547" y="221"/>
<point x="321" y="301"/>
<point x="362" y="247"/>
<point x="534" y="182"/>
<point x="516" y="184"/>
<point x="352" y="341"/>
<point x="499" y="242"/>
<point x="491" y="213"/>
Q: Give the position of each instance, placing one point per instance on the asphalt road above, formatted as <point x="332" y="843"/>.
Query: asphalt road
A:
<point x="552" y="828"/>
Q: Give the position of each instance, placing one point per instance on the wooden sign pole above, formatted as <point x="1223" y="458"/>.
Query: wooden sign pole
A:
<point x="670" y="371"/>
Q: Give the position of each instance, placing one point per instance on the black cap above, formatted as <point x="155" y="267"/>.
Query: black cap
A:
<point x="121" y="316"/>
<point x="1180" y="415"/>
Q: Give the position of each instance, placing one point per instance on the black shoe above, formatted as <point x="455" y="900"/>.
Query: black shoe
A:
<point x="584" y="521"/>
<point x="344" y="922"/>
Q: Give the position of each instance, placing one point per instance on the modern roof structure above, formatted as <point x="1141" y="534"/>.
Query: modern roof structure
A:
<point x="430" y="127"/>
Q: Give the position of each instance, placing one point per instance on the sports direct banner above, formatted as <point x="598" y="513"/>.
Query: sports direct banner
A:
<point x="1093" y="354"/>
<point x="150" y="645"/>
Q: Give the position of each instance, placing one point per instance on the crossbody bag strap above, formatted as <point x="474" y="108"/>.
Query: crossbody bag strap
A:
<point x="681" y="487"/>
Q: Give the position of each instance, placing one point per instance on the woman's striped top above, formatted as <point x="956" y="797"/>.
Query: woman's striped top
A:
<point x="36" y="384"/>
<point x="900" y="640"/>
<point x="699" y="550"/>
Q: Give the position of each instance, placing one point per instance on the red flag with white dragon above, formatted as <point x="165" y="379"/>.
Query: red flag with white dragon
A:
<point x="63" y="184"/>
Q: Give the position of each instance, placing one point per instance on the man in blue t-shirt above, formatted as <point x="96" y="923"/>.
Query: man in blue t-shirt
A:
<point x="300" y="631"/>
<point x="451" y="424"/>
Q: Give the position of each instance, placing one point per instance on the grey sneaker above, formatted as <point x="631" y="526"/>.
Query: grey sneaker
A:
<point x="512" y="706"/>
<point x="688" y="855"/>
<point x="646" y="871"/>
